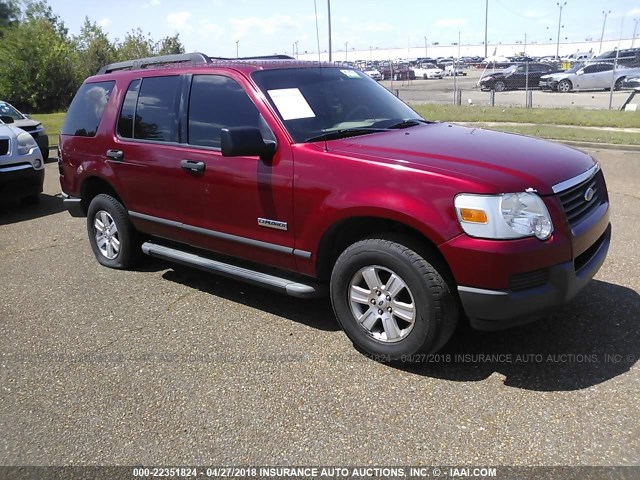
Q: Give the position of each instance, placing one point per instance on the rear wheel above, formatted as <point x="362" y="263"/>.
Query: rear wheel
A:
<point x="113" y="239"/>
<point x="564" y="86"/>
<point x="391" y="301"/>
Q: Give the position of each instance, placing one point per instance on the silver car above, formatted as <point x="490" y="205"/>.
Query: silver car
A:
<point x="27" y="124"/>
<point x="591" y="76"/>
<point x="21" y="163"/>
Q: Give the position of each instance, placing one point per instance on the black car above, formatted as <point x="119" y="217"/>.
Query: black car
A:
<point x="629" y="57"/>
<point x="515" y="76"/>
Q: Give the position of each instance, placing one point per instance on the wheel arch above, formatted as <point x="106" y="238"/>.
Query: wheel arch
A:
<point x="93" y="186"/>
<point x="348" y="231"/>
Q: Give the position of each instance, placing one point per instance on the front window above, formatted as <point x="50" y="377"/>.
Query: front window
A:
<point x="332" y="102"/>
<point x="10" y="111"/>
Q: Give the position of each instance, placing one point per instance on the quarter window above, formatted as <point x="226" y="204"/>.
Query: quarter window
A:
<point x="86" y="109"/>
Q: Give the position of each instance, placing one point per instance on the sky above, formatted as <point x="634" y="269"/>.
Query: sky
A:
<point x="265" y="27"/>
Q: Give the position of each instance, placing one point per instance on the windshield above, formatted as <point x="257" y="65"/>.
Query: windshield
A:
<point x="314" y="102"/>
<point x="8" y="110"/>
<point x="575" y="68"/>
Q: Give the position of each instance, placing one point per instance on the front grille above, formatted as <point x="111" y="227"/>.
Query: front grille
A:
<point x="574" y="203"/>
<point x="532" y="279"/>
<point x="4" y="146"/>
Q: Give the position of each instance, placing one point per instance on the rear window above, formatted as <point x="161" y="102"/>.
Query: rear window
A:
<point x="87" y="107"/>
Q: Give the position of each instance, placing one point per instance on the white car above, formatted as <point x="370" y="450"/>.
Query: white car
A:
<point x="373" y="73"/>
<point x="21" y="164"/>
<point x="452" y="70"/>
<point x="592" y="76"/>
<point x="427" y="70"/>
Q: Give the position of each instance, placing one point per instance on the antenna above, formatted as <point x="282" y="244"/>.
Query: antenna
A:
<point x="315" y="10"/>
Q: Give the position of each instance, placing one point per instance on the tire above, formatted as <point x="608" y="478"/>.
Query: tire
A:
<point x="618" y="84"/>
<point x="113" y="239"/>
<point x="564" y="86"/>
<point x="31" y="199"/>
<point x="499" y="86"/>
<point x="416" y="310"/>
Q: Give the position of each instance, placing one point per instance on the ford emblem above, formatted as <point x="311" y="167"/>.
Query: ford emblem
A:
<point x="588" y="195"/>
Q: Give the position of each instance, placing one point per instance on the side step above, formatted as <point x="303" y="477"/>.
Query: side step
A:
<point x="279" y="284"/>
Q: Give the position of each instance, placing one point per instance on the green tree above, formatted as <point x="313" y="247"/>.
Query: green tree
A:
<point x="9" y="13"/>
<point x="36" y="72"/>
<point x="136" y="44"/>
<point x="170" y="45"/>
<point x="93" y="49"/>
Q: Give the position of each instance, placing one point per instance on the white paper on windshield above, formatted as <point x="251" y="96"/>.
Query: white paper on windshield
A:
<point x="291" y="103"/>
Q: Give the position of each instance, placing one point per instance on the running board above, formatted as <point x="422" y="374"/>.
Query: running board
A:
<point x="279" y="284"/>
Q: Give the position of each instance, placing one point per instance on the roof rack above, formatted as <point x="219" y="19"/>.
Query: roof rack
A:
<point x="192" y="58"/>
<point x="263" y="57"/>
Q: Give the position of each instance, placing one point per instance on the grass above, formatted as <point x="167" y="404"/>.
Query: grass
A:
<point x="576" y="134"/>
<point x="52" y="123"/>
<point x="543" y="116"/>
<point x="576" y="117"/>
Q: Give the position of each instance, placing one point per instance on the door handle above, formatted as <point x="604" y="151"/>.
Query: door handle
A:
<point x="116" y="155"/>
<point x="192" y="166"/>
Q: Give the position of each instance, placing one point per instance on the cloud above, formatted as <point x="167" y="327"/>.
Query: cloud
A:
<point x="179" y="20"/>
<point x="207" y="28"/>
<point x="451" y="22"/>
<point x="152" y="3"/>
<point x="634" y="12"/>
<point x="104" y="22"/>
<point x="265" y="26"/>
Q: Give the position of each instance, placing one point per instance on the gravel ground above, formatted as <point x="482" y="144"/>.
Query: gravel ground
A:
<point x="170" y="366"/>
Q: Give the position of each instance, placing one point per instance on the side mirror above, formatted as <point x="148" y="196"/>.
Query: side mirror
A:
<point x="246" y="142"/>
<point x="6" y="119"/>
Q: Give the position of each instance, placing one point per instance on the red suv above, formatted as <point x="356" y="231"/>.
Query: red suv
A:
<point x="299" y="176"/>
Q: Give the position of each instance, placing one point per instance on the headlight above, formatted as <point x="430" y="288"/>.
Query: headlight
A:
<point x="510" y="215"/>
<point x="25" y="143"/>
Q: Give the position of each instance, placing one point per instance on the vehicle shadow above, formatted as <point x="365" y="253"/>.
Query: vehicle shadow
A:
<point x="592" y="339"/>
<point x="315" y="313"/>
<point x="16" y="211"/>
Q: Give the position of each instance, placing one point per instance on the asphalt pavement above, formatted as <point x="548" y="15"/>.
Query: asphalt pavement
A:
<point x="167" y="365"/>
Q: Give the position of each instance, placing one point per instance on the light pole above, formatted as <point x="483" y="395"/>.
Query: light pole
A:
<point x="603" y="24"/>
<point x="296" y="49"/>
<point x="346" y="51"/>
<point x="426" y="54"/>
<point x="237" y="51"/>
<point x="486" y="25"/>
<point x="559" y="25"/>
<point x="329" y="19"/>
<point x="635" y="28"/>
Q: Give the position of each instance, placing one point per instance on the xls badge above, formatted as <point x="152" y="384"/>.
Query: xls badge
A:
<point x="266" y="222"/>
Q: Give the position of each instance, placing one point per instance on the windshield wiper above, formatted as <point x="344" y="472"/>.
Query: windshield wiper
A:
<point x="410" y="122"/>
<point x="344" y="133"/>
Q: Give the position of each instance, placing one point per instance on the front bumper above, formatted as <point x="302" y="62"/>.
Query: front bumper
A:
<point x="498" y="309"/>
<point x="20" y="181"/>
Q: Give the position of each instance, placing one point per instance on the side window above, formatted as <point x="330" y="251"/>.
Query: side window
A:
<point x="127" y="114"/>
<point x="218" y="102"/>
<point x="86" y="109"/>
<point x="590" y="69"/>
<point x="156" y="115"/>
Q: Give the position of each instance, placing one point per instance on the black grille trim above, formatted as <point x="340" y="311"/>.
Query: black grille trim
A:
<point x="526" y="280"/>
<point x="4" y="146"/>
<point x="581" y="260"/>
<point x="576" y="208"/>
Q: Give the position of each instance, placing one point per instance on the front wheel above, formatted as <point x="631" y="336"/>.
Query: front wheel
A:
<point x="564" y="86"/>
<point x="618" y="84"/>
<point x="113" y="238"/>
<point x="390" y="301"/>
<point x="499" y="86"/>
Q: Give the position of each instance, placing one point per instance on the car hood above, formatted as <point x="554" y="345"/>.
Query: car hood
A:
<point x="555" y="76"/>
<point x="9" y="130"/>
<point x="26" y="123"/>
<point x="491" y="76"/>
<point x="502" y="162"/>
